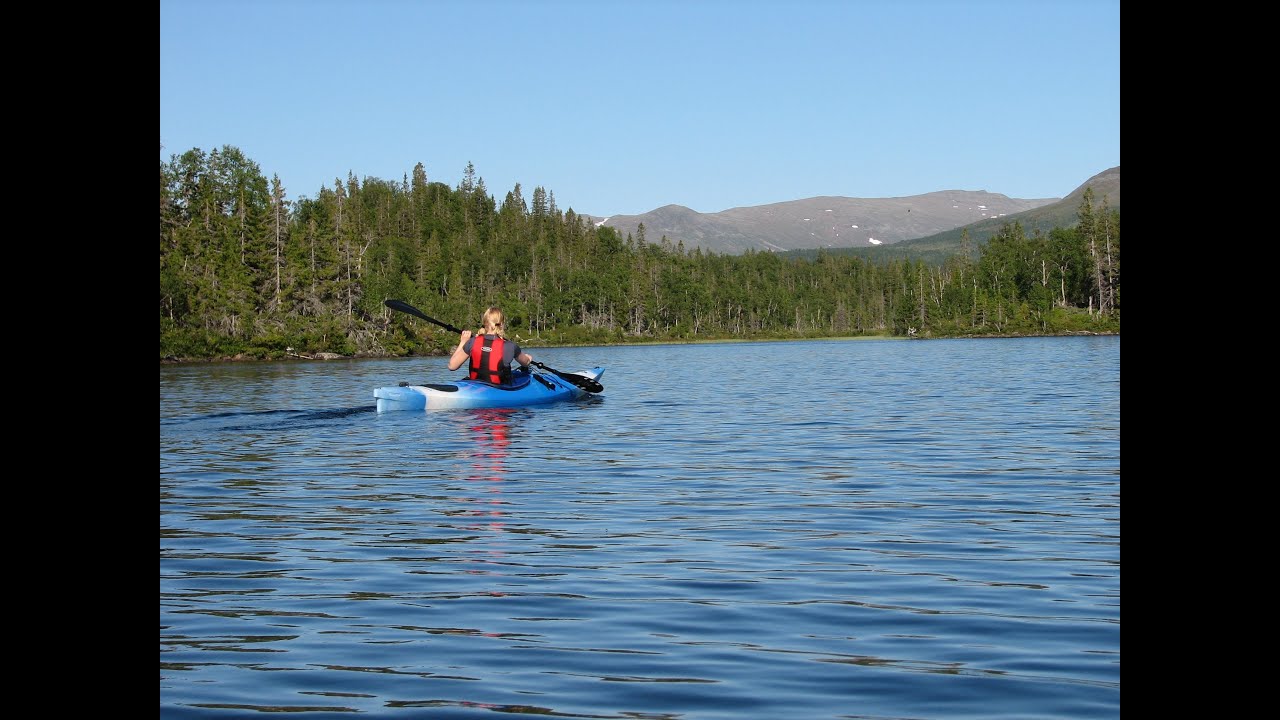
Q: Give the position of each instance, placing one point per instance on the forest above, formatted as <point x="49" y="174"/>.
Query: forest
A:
<point x="247" y="273"/>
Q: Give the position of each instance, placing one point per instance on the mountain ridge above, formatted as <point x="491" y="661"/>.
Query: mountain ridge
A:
<point x="839" y="222"/>
<point x="1063" y="213"/>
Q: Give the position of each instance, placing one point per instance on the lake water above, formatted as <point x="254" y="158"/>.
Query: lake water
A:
<point x="823" y="529"/>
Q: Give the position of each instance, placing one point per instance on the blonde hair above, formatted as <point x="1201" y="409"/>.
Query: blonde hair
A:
<point x="492" y="322"/>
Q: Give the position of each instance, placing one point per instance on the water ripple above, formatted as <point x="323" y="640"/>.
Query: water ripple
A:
<point x="934" y="535"/>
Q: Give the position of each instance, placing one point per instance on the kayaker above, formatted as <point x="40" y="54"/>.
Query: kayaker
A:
<point x="490" y="359"/>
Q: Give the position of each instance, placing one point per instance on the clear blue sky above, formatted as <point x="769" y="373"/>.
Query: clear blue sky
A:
<point x="620" y="107"/>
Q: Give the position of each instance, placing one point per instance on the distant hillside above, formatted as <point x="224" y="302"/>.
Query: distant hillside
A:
<point x="831" y="222"/>
<point x="1063" y="213"/>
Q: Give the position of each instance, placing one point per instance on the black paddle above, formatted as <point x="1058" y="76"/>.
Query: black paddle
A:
<point x="582" y="381"/>
<point x="405" y="307"/>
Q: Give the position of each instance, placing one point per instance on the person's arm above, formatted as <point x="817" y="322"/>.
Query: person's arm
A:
<point x="524" y="359"/>
<point x="460" y="353"/>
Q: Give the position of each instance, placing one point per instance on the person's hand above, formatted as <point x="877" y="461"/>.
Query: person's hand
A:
<point x="466" y="335"/>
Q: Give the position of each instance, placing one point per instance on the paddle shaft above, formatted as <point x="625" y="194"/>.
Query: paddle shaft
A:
<point x="405" y="307"/>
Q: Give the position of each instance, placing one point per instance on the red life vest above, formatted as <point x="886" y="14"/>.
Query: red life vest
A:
<point x="486" y="360"/>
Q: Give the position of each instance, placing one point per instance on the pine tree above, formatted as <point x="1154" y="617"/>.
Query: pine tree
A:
<point x="279" y="228"/>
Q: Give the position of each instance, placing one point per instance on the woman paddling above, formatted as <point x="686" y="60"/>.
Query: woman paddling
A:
<point x="490" y="353"/>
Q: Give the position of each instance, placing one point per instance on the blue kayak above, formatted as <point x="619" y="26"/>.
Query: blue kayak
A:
<point x="526" y="388"/>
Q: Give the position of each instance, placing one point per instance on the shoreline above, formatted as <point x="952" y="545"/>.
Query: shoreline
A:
<point x="328" y="356"/>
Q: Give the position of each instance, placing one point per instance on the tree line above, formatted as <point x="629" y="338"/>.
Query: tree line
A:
<point x="247" y="272"/>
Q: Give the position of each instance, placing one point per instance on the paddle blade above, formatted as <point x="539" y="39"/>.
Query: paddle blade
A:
<point x="589" y="384"/>
<point x="405" y="307"/>
<point x="586" y="383"/>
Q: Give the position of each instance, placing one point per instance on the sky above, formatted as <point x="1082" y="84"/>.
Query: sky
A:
<point x="623" y="106"/>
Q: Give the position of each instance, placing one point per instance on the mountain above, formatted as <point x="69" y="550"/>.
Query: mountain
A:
<point x="1062" y="213"/>
<point x="830" y="222"/>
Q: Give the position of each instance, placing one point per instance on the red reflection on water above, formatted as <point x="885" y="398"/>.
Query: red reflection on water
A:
<point x="487" y="458"/>
<point x="489" y="429"/>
